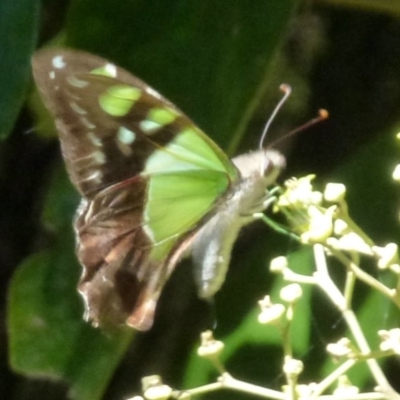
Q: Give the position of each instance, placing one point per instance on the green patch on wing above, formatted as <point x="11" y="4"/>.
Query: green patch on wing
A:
<point x="118" y="100"/>
<point x="105" y="70"/>
<point x="190" y="150"/>
<point x="162" y="115"/>
<point x="186" y="178"/>
<point x="176" y="203"/>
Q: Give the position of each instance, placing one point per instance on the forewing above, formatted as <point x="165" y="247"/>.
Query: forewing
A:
<point x="110" y="122"/>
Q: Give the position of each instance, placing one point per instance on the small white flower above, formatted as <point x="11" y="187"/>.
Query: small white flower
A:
<point x="341" y="348"/>
<point x="162" y="392"/>
<point x="334" y="192"/>
<point x="395" y="268"/>
<point x="291" y="293"/>
<point x="292" y="367"/>
<point x="278" y="264"/>
<point x="209" y="346"/>
<point x="390" y="340"/>
<point x="320" y="226"/>
<point x="340" y="227"/>
<point x="388" y="255"/>
<point x="299" y="192"/>
<point x="271" y="314"/>
<point x="353" y="242"/>
<point x="154" y="389"/>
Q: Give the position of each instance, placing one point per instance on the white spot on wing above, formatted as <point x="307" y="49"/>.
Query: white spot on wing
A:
<point x="58" y="62"/>
<point x="99" y="157"/>
<point x="111" y="69"/>
<point x="72" y="80"/>
<point x="90" y="160"/>
<point x="52" y="75"/>
<point x="77" y="108"/>
<point x="87" y="123"/>
<point x="125" y="135"/>
<point x="152" y="92"/>
<point x="94" y="139"/>
<point x="149" y="126"/>
<point x="95" y="176"/>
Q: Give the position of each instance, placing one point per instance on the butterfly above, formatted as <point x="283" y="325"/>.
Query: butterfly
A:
<point x="154" y="186"/>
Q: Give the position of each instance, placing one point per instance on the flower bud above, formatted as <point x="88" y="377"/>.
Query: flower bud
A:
<point x="278" y="264"/>
<point x="209" y="348"/>
<point x="334" y="192"/>
<point x="293" y="367"/>
<point x="291" y="293"/>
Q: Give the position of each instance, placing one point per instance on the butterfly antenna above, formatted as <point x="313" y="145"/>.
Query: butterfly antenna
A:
<point x="287" y="90"/>
<point x="322" y="115"/>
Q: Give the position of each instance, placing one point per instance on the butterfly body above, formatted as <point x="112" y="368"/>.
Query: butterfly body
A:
<point x="212" y="246"/>
<point x="153" y="186"/>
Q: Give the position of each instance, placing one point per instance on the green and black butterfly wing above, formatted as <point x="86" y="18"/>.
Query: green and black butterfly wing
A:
<point x="148" y="176"/>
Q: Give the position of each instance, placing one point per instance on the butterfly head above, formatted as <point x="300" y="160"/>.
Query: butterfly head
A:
<point x="261" y="164"/>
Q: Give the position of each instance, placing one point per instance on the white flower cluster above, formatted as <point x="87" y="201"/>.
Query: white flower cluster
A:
<point x="322" y="217"/>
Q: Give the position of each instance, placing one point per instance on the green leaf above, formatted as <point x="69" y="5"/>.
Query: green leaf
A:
<point x="48" y="337"/>
<point x="18" y="32"/>
<point x="211" y="59"/>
